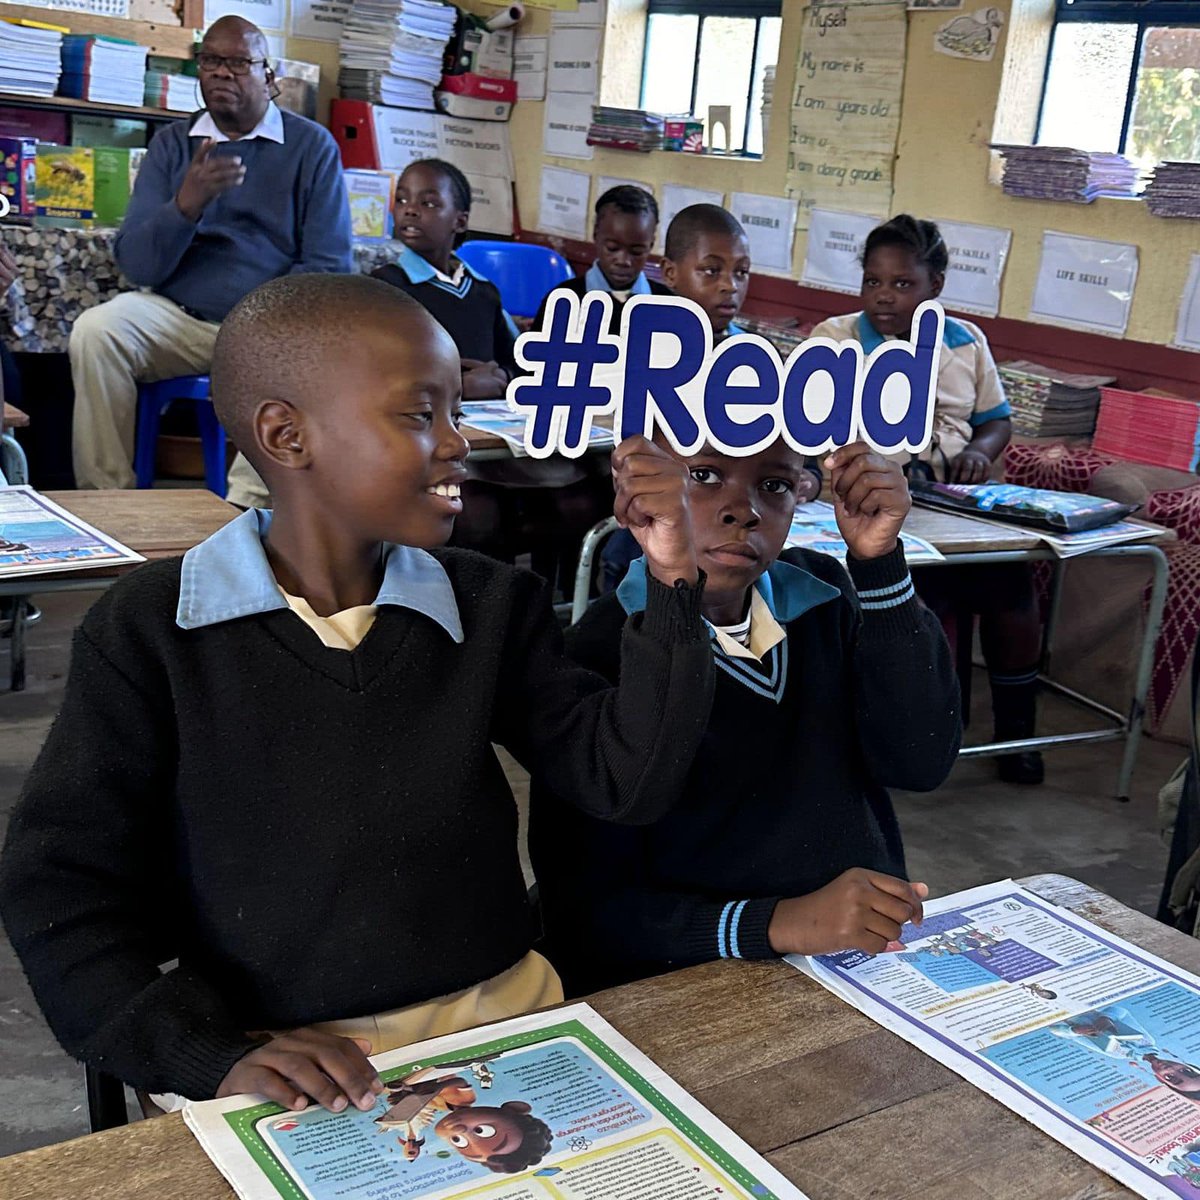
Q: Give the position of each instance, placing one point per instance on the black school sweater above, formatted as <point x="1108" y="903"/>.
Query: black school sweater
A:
<point x="783" y="796"/>
<point x="312" y="833"/>
<point x="579" y="286"/>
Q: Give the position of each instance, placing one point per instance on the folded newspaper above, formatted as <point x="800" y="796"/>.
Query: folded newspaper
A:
<point x="37" y="536"/>
<point x="553" y="1106"/>
<point x="1093" y="1040"/>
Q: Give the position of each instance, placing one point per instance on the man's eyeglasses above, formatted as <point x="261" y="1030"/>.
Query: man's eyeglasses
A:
<point x="235" y="66"/>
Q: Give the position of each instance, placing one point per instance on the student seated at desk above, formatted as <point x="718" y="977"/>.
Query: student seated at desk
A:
<point x="274" y="759"/>
<point x="830" y="687"/>
<point x="626" y="222"/>
<point x="707" y="260"/>
<point x="904" y="264"/>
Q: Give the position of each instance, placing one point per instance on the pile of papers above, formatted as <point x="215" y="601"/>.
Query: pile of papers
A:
<point x="626" y="128"/>
<point x="1174" y="190"/>
<point x="30" y="59"/>
<point x="1152" y="427"/>
<point x="1051" y="403"/>
<point x="768" y="94"/>
<point x="392" y="51"/>
<point x="107" y="70"/>
<point x="1060" y="173"/>
<point x="169" y="89"/>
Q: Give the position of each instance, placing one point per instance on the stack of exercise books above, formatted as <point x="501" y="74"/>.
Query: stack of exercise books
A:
<point x="1174" y="190"/>
<point x="392" y="50"/>
<point x="626" y="128"/>
<point x="1152" y="427"/>
<point x="103" y="69"/>
<point x="30" y="58"/>
<point x="1048" y="403"/>
<point x="1061" y="173"/>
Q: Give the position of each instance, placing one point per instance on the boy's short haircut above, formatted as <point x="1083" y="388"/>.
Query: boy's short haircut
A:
<point x="697" y="219"/>
<point x="277" y="338"/>
<point x="923" y="239"/>
<point x="627" y="198"/>
<point x="460" y="186"/>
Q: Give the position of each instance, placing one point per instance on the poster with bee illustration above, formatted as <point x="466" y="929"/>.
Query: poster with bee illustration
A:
<point x="66" y="182"/>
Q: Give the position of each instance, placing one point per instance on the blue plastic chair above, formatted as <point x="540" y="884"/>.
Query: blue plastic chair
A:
<point x="524" y="273"/>
<point x="153" y="401"/>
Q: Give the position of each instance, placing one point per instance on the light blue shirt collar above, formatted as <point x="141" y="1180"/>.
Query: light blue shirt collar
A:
<point x="954" y="334"/>
<point x="788" y="590"/>
<point x="596" y="282"/>
<point x="228" y="576"/>
<point x="421" y="271"/>
<point x="733" y="329"/>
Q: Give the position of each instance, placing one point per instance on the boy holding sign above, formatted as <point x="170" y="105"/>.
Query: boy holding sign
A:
<point x="831" y="685"/>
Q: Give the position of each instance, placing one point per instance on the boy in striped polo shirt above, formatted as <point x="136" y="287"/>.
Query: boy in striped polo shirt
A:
<point x="832" y="684"/>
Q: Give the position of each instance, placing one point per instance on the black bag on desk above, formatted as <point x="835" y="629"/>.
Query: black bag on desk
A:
<point x="1180" y="902"/>
<point x="1058" y="512"/>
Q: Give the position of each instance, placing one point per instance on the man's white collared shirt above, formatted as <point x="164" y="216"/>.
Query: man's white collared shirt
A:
<point x="270" y="127"/>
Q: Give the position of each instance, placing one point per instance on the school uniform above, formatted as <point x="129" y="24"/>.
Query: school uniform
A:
<point x="844" y="688"/>
<point x="969" y="391"/>
<point x="315" y="834"/>
<point x="594" y="280"/>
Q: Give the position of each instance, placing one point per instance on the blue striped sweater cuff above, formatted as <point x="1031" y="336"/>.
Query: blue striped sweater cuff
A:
<point x="885" y="590"/>
<point x="742" y="929"/>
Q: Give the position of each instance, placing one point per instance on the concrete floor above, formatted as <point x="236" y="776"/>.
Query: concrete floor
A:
<point x="974" y="830"/>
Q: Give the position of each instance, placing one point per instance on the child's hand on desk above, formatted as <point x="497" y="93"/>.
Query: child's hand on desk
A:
<point x="971" y="466"/>
<point x="651" y="502"/>
<point x="482" y="380"/>
<point x="870" y="499"/>
<point x="297" y="1068"/>
<point x="859" y="910"/>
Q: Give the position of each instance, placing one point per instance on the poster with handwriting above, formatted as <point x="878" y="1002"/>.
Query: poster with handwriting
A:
<point x="846" y="107"/>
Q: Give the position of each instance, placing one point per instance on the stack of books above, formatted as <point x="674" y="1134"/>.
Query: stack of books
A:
<point x="1061" y="173"/>
<point x="104" y="69"/>
<point x="626" y="128"/>
<point x="1048" y="403"/>
<point x="1152" y="427"/>
<point x="1174" y="190"/>
<point x="171" y="90"/>
<point x="30" y="58"/>
<point x="391" y="51"/>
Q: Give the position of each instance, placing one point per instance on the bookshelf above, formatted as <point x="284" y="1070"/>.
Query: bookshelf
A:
<point x="170" y="41"/>
<point x="71" y="106"/>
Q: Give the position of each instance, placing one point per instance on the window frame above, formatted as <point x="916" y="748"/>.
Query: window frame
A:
<point x="1141" y="13"/>
<point x="757" y="10"/>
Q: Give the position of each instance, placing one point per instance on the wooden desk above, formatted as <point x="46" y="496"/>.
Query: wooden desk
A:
<point x="842" y="1107"/>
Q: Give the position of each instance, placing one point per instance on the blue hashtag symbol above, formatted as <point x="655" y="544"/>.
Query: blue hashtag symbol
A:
<point x="552" y="400"/>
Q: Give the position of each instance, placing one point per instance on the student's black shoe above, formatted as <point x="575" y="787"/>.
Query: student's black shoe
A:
<point x="1025" y="768"/>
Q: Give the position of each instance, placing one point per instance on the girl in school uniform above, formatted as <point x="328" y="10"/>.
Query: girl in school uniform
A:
<point x="904" y="264"/>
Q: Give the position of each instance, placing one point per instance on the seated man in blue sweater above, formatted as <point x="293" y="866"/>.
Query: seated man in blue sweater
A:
<point x="240" y="194"/>
<point x="832" y="684"/>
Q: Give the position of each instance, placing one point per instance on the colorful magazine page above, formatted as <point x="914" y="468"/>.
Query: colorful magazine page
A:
<point x="36" y="536"/>
<point x="814" y="527"/>
<point x="552" y="1106"/>
<point x="1093" y="1040"/>
<point x="1058" y="512"/>
<point x="1069" y="545"/>
<point x="495" y="416"/>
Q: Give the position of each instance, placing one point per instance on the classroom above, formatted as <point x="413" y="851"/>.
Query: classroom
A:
<point x="595" y="381"/>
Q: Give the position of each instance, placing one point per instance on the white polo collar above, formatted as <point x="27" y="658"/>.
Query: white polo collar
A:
<point x="270" y="127"/>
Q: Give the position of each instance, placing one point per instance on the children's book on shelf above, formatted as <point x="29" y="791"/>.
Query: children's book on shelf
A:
<point x="551" y="1106"/>
<point x="1056" y="512"/>
<point x="37" y="536"/>
<point x="814" y="527"/>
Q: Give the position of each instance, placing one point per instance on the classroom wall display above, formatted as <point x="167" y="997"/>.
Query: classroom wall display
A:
<point x="1187" y="329"/>
<point x="530" y="55"/>
<point x="563" y="202"/>
<point x="585" y="12"/>
<point x="482" y="151"/>
<point x="605" y="182"/>
<point x="318" y="20"/>
<point x="675" y="198"/>
<point x="568" y="118"/>
<point x="846" y="107"/>
<point x="662" y="373"/>
<point x="1085" y="283"/>
<point x="266" y="14"/>
<point x="574" y="62"/>
<point x="971" y="35"/>
<point x="770" y="224"/>
<point x="831" y="256"/>
<point x="977" y="257"/>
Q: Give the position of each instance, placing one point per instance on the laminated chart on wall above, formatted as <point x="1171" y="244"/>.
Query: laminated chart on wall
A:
<point x="675" y="198"/>
<point x="563" y="202"/>
<point x="1085" y="283"/>
<point x="832" y="254"/>
<point x="977" y="257"/>
<point x="483" y="152"/>
<point x="318" y="20"/>
<point x="845" y="114"/>
<point x="1187" y="328"/>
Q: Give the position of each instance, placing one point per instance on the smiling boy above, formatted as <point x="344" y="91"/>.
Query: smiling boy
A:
<point x="289" y="733"/>
<point x="831" y="686"/>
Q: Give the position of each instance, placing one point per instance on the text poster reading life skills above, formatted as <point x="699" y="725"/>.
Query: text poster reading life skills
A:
<point x="832" y="257"/>
<point x="769" y="222"/>
<point x="1085" y="283"/>
<point x="675" y="198"/>
<point x="846" y="107"/>
<point x="977" y="257"/>
<point x="563" y="202"/>
<point x="1187" y="331"/>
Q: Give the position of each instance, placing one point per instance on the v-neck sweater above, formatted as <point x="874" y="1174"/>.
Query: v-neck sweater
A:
<point x="332" y="827"/>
